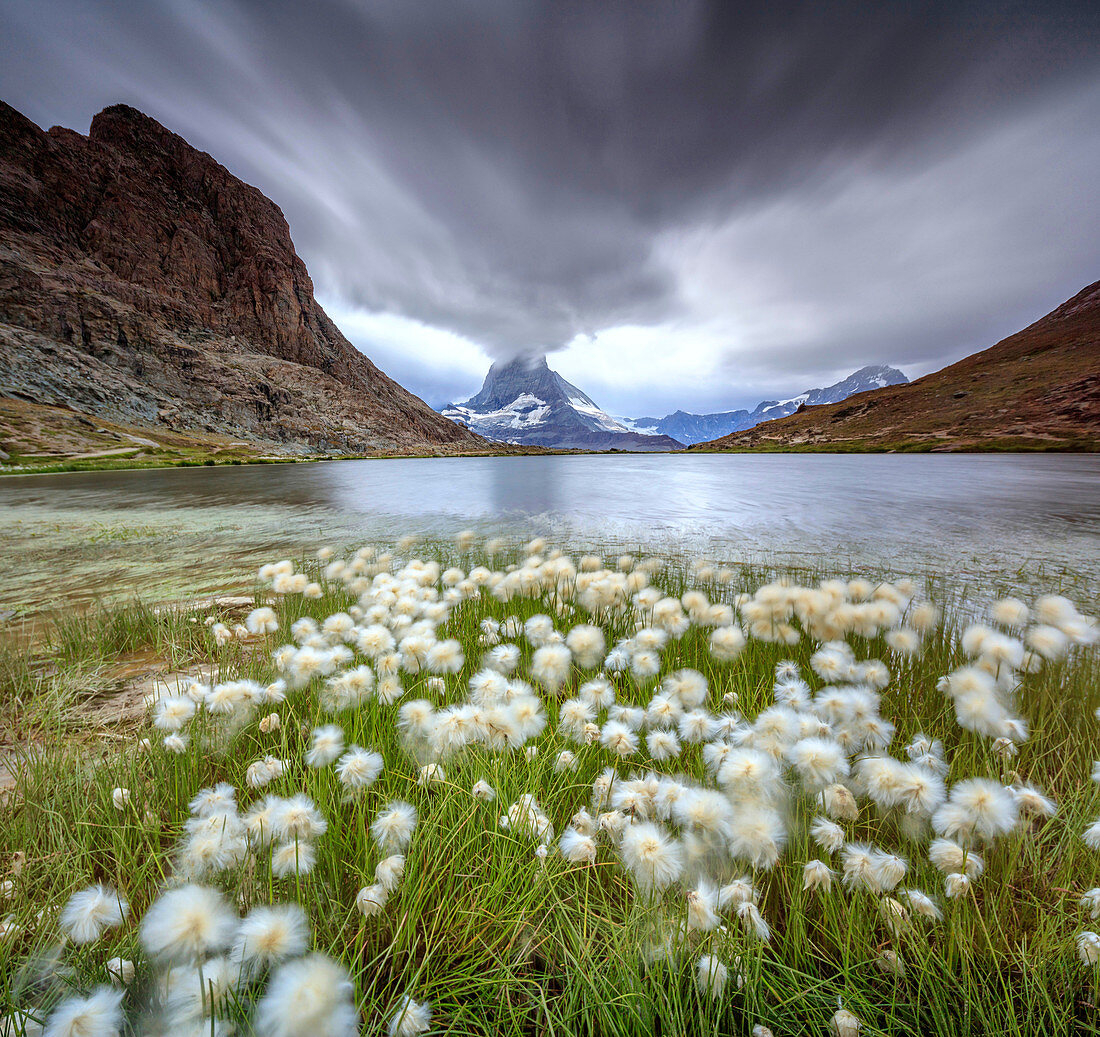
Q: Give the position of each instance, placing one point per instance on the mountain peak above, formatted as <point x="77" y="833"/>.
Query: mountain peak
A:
<point x="874" y="376"/>
<point x="525" y="375"/>
<point x="696" y="428"/>
<point x="523" y="401"/>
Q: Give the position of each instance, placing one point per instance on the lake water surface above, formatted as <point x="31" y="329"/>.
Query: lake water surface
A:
<point x="1016" y="517"/>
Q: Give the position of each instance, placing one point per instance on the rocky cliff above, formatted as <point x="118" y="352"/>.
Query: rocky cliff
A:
<point x="1037" y="389"/>
<point x="141" y="282"/>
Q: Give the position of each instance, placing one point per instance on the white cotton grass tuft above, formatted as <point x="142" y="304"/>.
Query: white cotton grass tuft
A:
<point x="577" y="847"/>
<point x="293" y="859"/>
<point x="359" y="768"/>
<point x="1088" y="946"/>
<point x="186" y="924"/>
<point x="308" y="997"/>
<point x="828" y="835"/>
<point x="662" y="745"/>
<point x="702" y="907"/>
<point x="947" y="856"/>
<point x="550" y="667"/>
<point x="956" y="885"/>
<point x="297" y="818"/>
<point x="759" y="835"/>
<point x="753" y="921"/>
<point x="393" y="826"/>
<point x="328" y="745"/>
<point x="410" y="1018"/>
<point x="483" y="791"/>
<point x="172" y="713"/>
<point x="261" y="621"/>
<point x="1032" y="802"/>
<point x="431" y="774"/>
<point x="818" y="761"/>
<point x="91" y="912"/>
<point x="564" y="761"/>
<point x="976" y="808"/>
<point x="1091" y="835"/>
<point x="268" y="936"/>
<point x="389" y="870"/>
<point x="1090" y="901"/>
<point x="121" y="971"/>
<point x="711" y="976"/>
<point x="922" y="904"/>
<point x="503" y="658"/>
<point x="587" y="644"/>
<point x="97" y="1015"/>
<point x="216" y="801"/>
<point x="654" y="859"/>
<point x="726" y="643"/>
<point x="688" y="686"/>
<point x="445" y="657"/>
<point x="619" y="738"/>
<point x="817" y="875"/>
<point x="1047" y="641"/>
<point x="844" y="1023"/>
<point x="597" y="693"/>
<point x="371" y="900"/>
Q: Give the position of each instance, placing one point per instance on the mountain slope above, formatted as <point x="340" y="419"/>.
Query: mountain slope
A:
<point x="696" y="428"/>
<point x="142" y="282"/>
<point x="523" y="401"/>
<point x="1039" y="388"/>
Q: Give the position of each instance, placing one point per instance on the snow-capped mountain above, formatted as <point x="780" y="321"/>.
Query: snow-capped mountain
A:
<point x="698" y="428"/>
<point x="523" y="401"/>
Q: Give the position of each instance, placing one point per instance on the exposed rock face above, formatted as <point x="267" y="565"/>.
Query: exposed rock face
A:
<point x="1039" y="388"/>
<point x="523" y="401"/>
<point x="142" y="282"/>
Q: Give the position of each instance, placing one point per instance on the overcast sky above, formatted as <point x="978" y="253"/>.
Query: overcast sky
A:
<point x="688" y="205"/>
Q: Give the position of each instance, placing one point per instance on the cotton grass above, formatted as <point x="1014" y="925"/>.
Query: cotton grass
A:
<point x="704" y="779"/>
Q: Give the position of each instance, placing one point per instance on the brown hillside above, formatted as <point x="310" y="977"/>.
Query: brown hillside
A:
<point x="1037" y="389"/>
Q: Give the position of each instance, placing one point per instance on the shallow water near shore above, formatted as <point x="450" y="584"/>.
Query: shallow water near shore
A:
<point x="991" y="519"/>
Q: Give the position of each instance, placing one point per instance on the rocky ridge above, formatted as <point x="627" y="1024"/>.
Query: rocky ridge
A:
<point x="142" y="282"/>
<point x="1036" y="389"/>
<point x="695" y="428"/>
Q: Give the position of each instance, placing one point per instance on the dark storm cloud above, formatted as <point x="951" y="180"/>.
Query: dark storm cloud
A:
<point x="523" y="172"/>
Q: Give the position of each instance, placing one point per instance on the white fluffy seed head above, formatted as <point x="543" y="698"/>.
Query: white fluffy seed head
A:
<point x="97" y="1015"/>
<point x="308" y="997"/>
<point x="91" y="912"/>
<point x="653" y="858"/>
<point x="186" y="924"/>
<point x="711" y="976"/>
<point x="393" y="827"/>
<point x="411" y="1018"/>
<point x="268" y="936"/>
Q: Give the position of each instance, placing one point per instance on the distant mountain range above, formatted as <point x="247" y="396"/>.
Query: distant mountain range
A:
<point x="696" y="428"/>
<point x="1038" y="389"/>
<point x="524" y="401"/>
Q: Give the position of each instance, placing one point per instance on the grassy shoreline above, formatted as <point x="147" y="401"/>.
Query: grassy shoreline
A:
<point x="497" y="940"/>
<point x="115" y="464"/>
